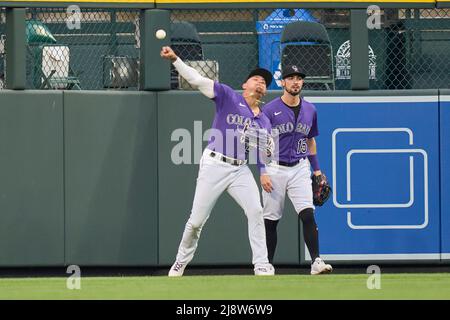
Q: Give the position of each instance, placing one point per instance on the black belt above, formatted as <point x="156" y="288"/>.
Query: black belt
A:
<point x="232" y="161"/>
<point x="288" y="164"/>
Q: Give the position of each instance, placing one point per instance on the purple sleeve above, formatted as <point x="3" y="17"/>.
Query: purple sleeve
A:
<point x="262" y="168"/>
<point x="267" y="113"/>
<point x="220" y="93"/>
<point x="262" y="157"/>
<point x="314" y="128"/>
<point x="261" y="161"/>
<point x="218" y="90"/>
<point x="314" y="161"/>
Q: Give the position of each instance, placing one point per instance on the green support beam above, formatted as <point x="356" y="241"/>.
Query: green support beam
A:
<point x="359" y="38"/>
<point x="154" y="71"/>
<point x="15" y="48"/>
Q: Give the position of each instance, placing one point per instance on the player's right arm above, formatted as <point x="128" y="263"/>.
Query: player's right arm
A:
<point x="192" y="76"/>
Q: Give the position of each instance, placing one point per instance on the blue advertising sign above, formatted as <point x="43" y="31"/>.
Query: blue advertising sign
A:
<point x="381" y="155"/>
<point x="445" y="173"/>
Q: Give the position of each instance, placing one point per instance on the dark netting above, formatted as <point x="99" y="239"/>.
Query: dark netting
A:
<point x="227" y="44"/>
<point x="412" y="49"/>
<point x="409" y="49"/>
<point x="2" y="47"/>
<point x="99" y="48"/>
<point x="69" y="48"/>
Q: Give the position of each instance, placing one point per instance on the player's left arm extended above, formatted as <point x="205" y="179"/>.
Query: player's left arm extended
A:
<point x="193" y="77"/>
<point x="312" y="147"/>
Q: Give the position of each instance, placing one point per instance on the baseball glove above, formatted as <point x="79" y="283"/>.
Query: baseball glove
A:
<point x="321" y="189"/>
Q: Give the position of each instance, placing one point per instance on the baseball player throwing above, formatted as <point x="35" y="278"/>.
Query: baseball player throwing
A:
<point x="296" y="122"/>
<point x="223" y="166"/>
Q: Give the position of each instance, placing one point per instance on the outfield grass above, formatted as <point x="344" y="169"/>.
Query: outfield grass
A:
<point x="286" y="287"/>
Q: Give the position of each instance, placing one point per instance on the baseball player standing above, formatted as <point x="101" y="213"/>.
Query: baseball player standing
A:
<point x="296" y="122"/>
<point x="223" y="166"/>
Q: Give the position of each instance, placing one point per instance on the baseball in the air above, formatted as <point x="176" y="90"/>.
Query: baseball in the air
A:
<point x="160" y="34"/>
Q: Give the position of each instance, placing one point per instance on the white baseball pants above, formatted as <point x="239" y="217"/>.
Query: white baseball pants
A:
<point x="296" y="181"/>
<point x="214" y="177"/>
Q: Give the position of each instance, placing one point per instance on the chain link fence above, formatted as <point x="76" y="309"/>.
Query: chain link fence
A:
<point x="412" y="50"/>
<point x="409" y="49"/>
<point x="92" y="49"/>
<point x="98" y="49"/>
<point x="2" y="47"/>
<point x="236" y="41"/>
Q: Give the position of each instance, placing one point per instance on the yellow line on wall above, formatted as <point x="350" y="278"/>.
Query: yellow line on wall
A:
<point x="235" y="1"/>
<point x="299" y="2"/>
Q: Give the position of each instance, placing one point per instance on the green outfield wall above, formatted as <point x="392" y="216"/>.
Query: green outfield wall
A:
<point x="110" y="166"/>
<point x="88" y="178"/>
<point x="31" y="179"/>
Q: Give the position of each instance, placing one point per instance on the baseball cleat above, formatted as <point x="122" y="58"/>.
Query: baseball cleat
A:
<point x="320" y="267"/>
<point x="264" y="270"/>
<point x="177" y="269"/>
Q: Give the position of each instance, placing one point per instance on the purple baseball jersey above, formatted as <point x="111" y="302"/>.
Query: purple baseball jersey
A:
<point x="232" y="115"/>
<point x="293" y="133"/>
